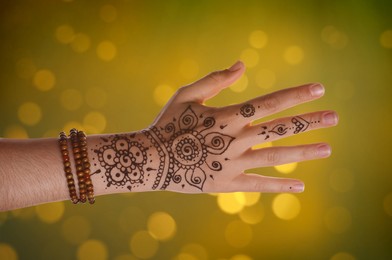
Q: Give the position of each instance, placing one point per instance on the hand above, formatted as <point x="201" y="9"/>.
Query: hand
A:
<point x="209" y="148"/>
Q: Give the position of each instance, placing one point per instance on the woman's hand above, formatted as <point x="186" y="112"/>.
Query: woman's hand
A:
<point x="194" y="148"/>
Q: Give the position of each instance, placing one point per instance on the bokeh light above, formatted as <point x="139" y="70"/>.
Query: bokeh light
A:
<point x="106" y="51"/>
<point x="286" y="206"/>
<point x="293" y="55"/>
<point x="7" y="252"/>
<point x="286" y="168"/>
<point x="51" y="212"/>
<point x="386" y="39"/>
<point x="44" y="80"/>
<point x="30" y="113"/>
<point x="92" y="249"/>
<point x="258" y="39"/>
<point x="161" y="226"/>
<point x="231" y="203"/>
<point x="81" y="43"/>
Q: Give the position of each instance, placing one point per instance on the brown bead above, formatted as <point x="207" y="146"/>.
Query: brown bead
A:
<point x="69" y="176"/>
<point x="76" y="150"/>
<point x="90" y="188"/>
<point x="83" y="149"/>
<point x="85" y="159"/>
<point x="67" y="164"/>
<point x="87" y="171"/>
<point x="80" y="174"/>
<point x="77" y="155"/>
<point x="64" y="153"/>
<point x="82" y="186"/>
<point x="78" y="161"/>
<point x="88" y="181"/>
<point x="67" y="169"/>
<point x="79" y="168"/>
<point x="72" y="187"/>
<point x="64" y="147"/>
<point x="71" y="182"/>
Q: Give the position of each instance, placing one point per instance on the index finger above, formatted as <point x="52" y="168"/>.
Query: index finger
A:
<point x="277" y="101"/>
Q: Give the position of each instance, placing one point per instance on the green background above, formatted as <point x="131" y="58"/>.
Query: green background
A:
<point x="120" y="60"/>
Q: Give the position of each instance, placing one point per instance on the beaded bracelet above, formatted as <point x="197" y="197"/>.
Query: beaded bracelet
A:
<point x="67" y="167"/>
<point x="86" y="166"/>
<point x="82" y="165"/>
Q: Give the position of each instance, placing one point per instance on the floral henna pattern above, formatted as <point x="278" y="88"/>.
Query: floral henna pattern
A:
<point x="123" y="160"/>
<point x="187" y="150"/>
<point x="183" y="152"/>
<point x="247" y="110"/>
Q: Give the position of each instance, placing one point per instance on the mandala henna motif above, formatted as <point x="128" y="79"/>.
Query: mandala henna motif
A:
<point x="247" y="110"/>
<point x="123" y="160"/>
<point x="186" y="150"/>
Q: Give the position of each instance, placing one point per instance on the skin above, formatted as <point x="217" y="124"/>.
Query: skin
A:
<point x="189" y="148"/>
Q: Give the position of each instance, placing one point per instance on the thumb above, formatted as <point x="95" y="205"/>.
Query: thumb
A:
<point x="212" y="84"/>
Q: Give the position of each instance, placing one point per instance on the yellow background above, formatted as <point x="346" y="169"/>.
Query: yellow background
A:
<point x="109" y="66"/>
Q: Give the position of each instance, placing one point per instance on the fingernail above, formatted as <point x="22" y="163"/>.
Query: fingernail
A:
<point x="330" y="118"/>
<point x="317" y="90"/>
<point x="235" y="66"/>
<point x="324" y="150"/>
<point x="300" y="187"/>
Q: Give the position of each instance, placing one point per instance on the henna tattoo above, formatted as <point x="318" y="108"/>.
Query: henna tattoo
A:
<point x="181" y="152"/>
<point x="247" y="110"/>
<point x="123" y="160"/>
<point x="187" y="151"/>
<point x="299" y="125"/>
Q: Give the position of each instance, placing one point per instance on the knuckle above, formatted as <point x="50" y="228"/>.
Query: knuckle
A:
<point x="272" y="157"/>
<point x="302" y="95"/>
<point x="271" y="103"/>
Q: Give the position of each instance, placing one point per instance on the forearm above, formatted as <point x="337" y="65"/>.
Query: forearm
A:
<point x="32" y="170"/>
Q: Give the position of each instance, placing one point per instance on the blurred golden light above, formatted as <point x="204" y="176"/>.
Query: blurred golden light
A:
<point x="250" y="57"/>
<point x="240" y="85"/>
<point x="108" y="13"/>
<point x="286" y="206"/>
<point x="241" y="257"/>
<point x="50" y="212"/>
<point x="94" y="122"/>
<point x="65" y="34"/>
<point x="231" y="203"/>
<point x="161" y="226"/>
<point x="125" y="257"/>
<point x="293" y="55"/>
<point x="7" y="252"/>
<point x="262" y="145"/>
<point x="335" y="38"/>
<point x="344" y="90"/>
<point x="342" y="256"/>
<point x="71" y="99"/>
<point x="341" y="180"/>
<point x="386" y="39"/>
<point x="286" y="168"/>
<point x="81" y="43"/>
<point x="258" y="39"/>
<point x="96" y="97"/>
<point x="193" y="251"/>
<point x="162" y="94"/>
<point x="44" y="80"/>
<point x="143" y="245"/>
<point x="238" y="234"/>
<point x="189" y="69"/>
<point x="265" y="78"/>
<point x="25" y="68"/>
<point x="106" y="51"/>
<point x="92" y="249"/>
<point x="24" y="213"/>
<point x="388" y="204"/>
<point x="252" y="215"/>
<point x="76" y="229"/>
<point x="251" y="198"/>
<point x="15" y="131"/>
<point x="73" y="124"/>
<point x="29" y="113"/>
<point x="338" y="220"/>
